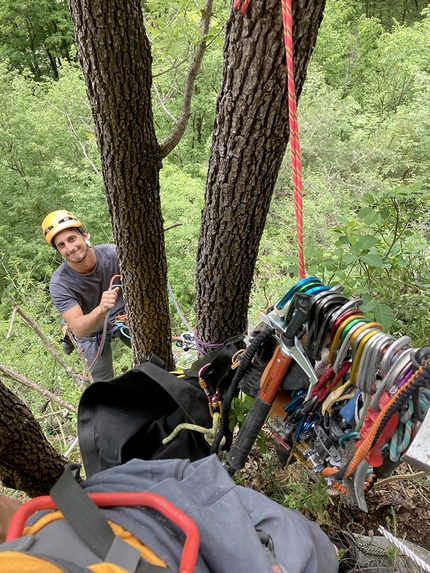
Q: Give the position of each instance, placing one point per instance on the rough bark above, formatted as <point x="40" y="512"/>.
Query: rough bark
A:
<point x="249" y="141"/>
<point x="28" y="462"/>
<point x="115" y="56"/>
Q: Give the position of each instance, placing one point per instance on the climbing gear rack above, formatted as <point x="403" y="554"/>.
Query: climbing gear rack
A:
<point x="342" y="396"/>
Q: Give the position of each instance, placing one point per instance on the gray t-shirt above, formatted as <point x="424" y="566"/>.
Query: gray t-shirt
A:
<point x="69" y="288"/>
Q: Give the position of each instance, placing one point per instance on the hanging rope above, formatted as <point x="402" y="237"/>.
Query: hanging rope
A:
<point x="296" y="164"/>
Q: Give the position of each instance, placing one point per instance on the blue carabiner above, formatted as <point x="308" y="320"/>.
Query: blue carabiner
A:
<point x="289" y="294"/>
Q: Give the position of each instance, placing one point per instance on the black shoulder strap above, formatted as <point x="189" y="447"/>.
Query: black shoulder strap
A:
<point x="90" y="524"/>
<point x="183" y="394"/>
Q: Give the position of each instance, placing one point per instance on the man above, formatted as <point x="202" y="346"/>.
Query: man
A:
<point x="85" y="290"/>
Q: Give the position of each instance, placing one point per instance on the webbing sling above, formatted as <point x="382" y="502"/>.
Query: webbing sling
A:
<point x="87" y="520"/>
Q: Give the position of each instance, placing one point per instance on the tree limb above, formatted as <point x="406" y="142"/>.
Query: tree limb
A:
<point x="172" y="226"/>
<point x="12" y="320"/>
<point x="13" y="375"/>
<point x="172" y="141"/>
<point x="87" y="372"/>
<point x="399" y="477"/>
<point x="75" y="377"/>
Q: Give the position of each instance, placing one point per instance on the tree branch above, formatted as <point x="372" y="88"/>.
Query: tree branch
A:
<point x="172" y="226"/>
<point x="12" y="320"/>
<point x="174" y="138"/>
<point x="13" y="375"/>
<point x="75" y="377"/>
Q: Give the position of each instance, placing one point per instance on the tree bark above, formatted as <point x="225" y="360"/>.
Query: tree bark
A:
<point x="249" y="142"/>
<point x="115" y="56"/>
<point x="28" y="462"/>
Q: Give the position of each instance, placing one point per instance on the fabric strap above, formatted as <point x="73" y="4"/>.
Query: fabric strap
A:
<point x="88" y="521"/>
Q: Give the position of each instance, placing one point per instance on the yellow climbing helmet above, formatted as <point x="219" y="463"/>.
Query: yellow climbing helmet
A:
<point x="58" y="221"/>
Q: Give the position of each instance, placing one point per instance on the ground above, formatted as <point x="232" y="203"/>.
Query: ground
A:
<point x="405" y="503"/>
<point x="400" y="504"/>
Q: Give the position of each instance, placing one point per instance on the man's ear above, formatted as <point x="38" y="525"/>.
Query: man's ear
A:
<point x="87" y="237"/>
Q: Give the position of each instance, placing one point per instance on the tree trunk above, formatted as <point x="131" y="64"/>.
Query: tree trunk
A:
<point x="115" y="56"/>
<point x="249" y="141"/>
<point x="28" y="462"/>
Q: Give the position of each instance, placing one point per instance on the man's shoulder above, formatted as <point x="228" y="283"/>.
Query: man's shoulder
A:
<point x="107" y="255"/>
<point x="110" y="247"/>
<point x="60" y="273"/>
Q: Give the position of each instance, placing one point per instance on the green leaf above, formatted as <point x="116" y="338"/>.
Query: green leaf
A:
<point x="366" y="242"/>
<point x="365" y="211"/>
<point x="349" y="258"/>
<point x="369" y="198"/>
<point x="343" y="240"/>
<point x="368" y="303"/>
<point x="384" y="315"/>
<point x="368" y="215"/>
<point x="372" y="259"/>
<point x="384" y="213"/>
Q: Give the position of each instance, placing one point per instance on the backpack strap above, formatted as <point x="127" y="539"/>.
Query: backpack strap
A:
<point x="88" y="521"/>
<point x="184" y="396"/>
<point x="66" y="566"/>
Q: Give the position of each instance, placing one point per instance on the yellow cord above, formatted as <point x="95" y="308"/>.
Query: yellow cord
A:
<point x="209" y="433"/>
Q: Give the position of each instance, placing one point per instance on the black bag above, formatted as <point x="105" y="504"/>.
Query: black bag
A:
<point x="129" y="416"/>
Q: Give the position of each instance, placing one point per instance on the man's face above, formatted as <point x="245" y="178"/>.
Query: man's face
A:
<point x="71" y="245"/>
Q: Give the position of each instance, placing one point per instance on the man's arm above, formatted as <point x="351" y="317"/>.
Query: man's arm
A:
<point x="85" y="324"/>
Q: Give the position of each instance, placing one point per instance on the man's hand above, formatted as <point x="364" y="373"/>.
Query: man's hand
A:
<point x="84" y="324"/>
<point x="108" y="300"/>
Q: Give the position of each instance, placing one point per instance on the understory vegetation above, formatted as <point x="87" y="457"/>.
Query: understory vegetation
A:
<point x="364" y="118"/>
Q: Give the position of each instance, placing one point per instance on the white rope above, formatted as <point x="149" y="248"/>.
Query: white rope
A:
<point x="425" y="566"/>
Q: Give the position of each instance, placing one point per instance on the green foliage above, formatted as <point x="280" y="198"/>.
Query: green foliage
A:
<point x="182" y="201"/>
<point x="302" y="490"/>
<point x="374" y="63"/>
<point x="23" y="351"/>
<point x="48" y="160"/>
<point x="174" y="31"/>
<point x="380" y="256"/>
<point x="363" y="118"/>
<point x="35" y="36"/>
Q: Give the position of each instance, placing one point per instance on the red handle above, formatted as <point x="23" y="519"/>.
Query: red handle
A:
<point x="112" y="499"/>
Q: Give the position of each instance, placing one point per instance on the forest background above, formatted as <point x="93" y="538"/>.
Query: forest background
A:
<point x="364" y="119"/>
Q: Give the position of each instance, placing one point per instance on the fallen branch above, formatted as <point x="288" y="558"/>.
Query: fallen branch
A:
<point x="13" y="375"/>
<point x="399" y="477"/>
<point x="75" y="377"/>
<point x="87" y="372"/>
<point x="72" y="446"/>
<point x="12" y="320"/>
<point x="172" y="226"/>
<point x="60" y="425"/>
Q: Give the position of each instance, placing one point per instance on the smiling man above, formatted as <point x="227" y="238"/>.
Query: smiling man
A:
<point x="85" y="290"/>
